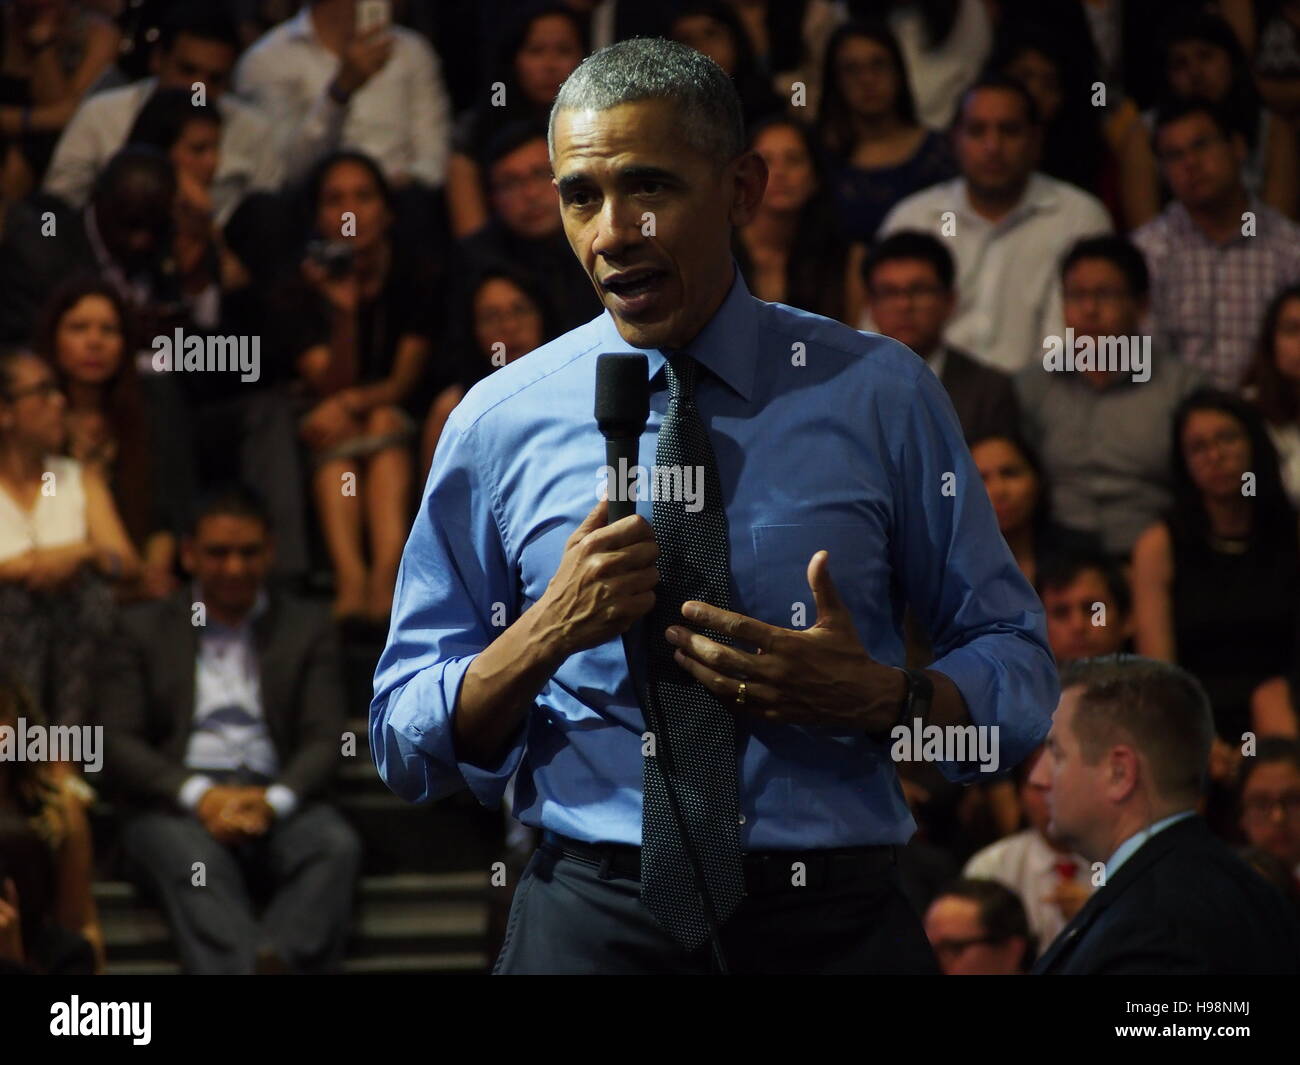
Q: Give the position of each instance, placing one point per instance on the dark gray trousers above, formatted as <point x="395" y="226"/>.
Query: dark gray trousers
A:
<point x="309" y="862"/>
<point x="566" y="918"/>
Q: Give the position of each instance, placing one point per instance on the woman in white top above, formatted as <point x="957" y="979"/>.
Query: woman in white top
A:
<point x="61" y="543"/>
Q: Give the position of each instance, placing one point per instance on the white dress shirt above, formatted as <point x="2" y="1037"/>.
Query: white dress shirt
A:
<point x="401" y="117"/>
<point x="100" y="126"/>
<point x="1008" y="286"/>
<point x="229" y="730"/>
<point x="1026" y="863"/>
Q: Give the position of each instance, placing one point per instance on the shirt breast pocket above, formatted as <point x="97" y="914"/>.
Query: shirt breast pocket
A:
<point x="859" y="570"/>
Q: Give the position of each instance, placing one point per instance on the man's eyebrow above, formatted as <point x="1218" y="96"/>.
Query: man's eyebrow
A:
<point x="640" y="172"/>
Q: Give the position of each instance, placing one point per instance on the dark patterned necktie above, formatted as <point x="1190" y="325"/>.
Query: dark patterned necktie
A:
<point x="695" y="735"/>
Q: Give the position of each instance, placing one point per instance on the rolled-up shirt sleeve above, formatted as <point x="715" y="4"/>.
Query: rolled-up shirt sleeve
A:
<point x="453" y="584"/>
<point x="986" y="624"/>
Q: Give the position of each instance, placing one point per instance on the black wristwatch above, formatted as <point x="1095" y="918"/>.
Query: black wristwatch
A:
<point x="916" y="703"/>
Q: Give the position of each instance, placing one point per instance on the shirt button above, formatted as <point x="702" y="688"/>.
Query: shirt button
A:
<point x="741" y="820"/>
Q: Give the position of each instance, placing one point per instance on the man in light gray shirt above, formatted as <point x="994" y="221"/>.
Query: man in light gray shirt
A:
<point x="196" y="45"/>
<point x="1005" y="224"/>
<point x="1104" y="433"/>
<point x="327" y="86"/>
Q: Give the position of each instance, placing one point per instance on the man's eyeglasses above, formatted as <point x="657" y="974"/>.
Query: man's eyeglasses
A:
<point x="1261" y="807"/>
<point x="44" y="389"/>
<point x="1198" y="147"/>
<point x="540" y="175"/>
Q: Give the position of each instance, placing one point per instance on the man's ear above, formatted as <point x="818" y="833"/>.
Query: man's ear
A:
<point x="749" y="178"/>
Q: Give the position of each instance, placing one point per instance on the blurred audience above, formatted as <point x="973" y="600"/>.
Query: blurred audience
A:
<point x="1021" y="497"/>
<point x="525" y="232"/>
<point x="542" y="46"/>
<point x="62" y="547"/>
<point x="713" y="27"/>
<point x="1216" y="582"/>
<point x="1006" y="225"/>
<point x="792" y="251"/>
<point x="49" y="923"/>
<point x="1216" y="254"/>
<point x="1269" y="794"/>
<point x="85" y="336"/>
<point x="1089" y="606"/>
<point x="1103" y="431"/>
<point x="51" y="53"/>
<point x="1202" y="58"/>
<point x="878" y="150"/>
<point x="908" y="278"/>
<point x="197" y="45"/>
<point x="1051" y="881"/>
<point x="357" y="325"/>
<point x="979" y="928"/>
<point x="507" y="318"/>
<point x="1273" y="383"/>
<point x="328" y="84"/>
<point x="945" y="44"/>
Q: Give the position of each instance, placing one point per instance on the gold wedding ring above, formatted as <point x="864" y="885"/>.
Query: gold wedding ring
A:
<point x="740" y="694"/>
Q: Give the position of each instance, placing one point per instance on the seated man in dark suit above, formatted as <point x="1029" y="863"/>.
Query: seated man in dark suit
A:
<point x="222" y="714"/>
<point x="910" y="296"/>
<point x="1124" y="768"/>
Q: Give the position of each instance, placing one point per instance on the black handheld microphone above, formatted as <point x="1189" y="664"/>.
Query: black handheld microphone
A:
<point x="622" y="409"/>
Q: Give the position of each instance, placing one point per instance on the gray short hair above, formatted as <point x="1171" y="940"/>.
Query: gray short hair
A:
<point x="652" y="68"/>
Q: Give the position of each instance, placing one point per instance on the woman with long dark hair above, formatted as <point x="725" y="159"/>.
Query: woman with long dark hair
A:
<point x="1217" y="582"/>
<point x="505" y="317"/>
<point x="877" y="150"/>
<point x="1017" y="486"/>
<point x="714" y="29"/>
<point x="85" y="334"/>
<point x="542" y="46"/>
<point x="792" y="251"/>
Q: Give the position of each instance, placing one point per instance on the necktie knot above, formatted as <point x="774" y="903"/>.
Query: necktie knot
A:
<point x="680" y="369"/>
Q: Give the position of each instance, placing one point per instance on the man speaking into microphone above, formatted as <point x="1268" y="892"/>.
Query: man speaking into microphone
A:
<point x="715" y="790"/>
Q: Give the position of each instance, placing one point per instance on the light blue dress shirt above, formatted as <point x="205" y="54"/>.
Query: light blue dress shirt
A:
<point x="1129" y="847"/>
<point x="825" y="438"/>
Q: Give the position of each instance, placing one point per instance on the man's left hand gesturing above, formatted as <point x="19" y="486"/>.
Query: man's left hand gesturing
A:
<point x="816" y="676"/>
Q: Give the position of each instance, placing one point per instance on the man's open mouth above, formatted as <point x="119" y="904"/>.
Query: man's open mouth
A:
<point x="630" y="284"/>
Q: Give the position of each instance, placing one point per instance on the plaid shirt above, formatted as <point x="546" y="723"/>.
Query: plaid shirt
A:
<point x="1207" y="299"/>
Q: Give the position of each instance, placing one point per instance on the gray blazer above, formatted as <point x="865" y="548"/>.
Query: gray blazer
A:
<point x="147" y="691"/>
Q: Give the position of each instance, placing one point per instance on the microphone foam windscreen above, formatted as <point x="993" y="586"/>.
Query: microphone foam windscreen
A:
<point x="622" y="393"/>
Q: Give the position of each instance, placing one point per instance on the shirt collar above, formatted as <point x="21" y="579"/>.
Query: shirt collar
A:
<point x="727" y="345"/>
<point x="1040" y="195"/>
<point x="260" y="606"/>
<point x="1129" y="847"/>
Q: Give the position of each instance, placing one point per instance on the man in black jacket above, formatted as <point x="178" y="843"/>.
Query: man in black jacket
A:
<point x="1125" y="764"/>
<point x="223" y="718"/>
<point x="909" y="279"/>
